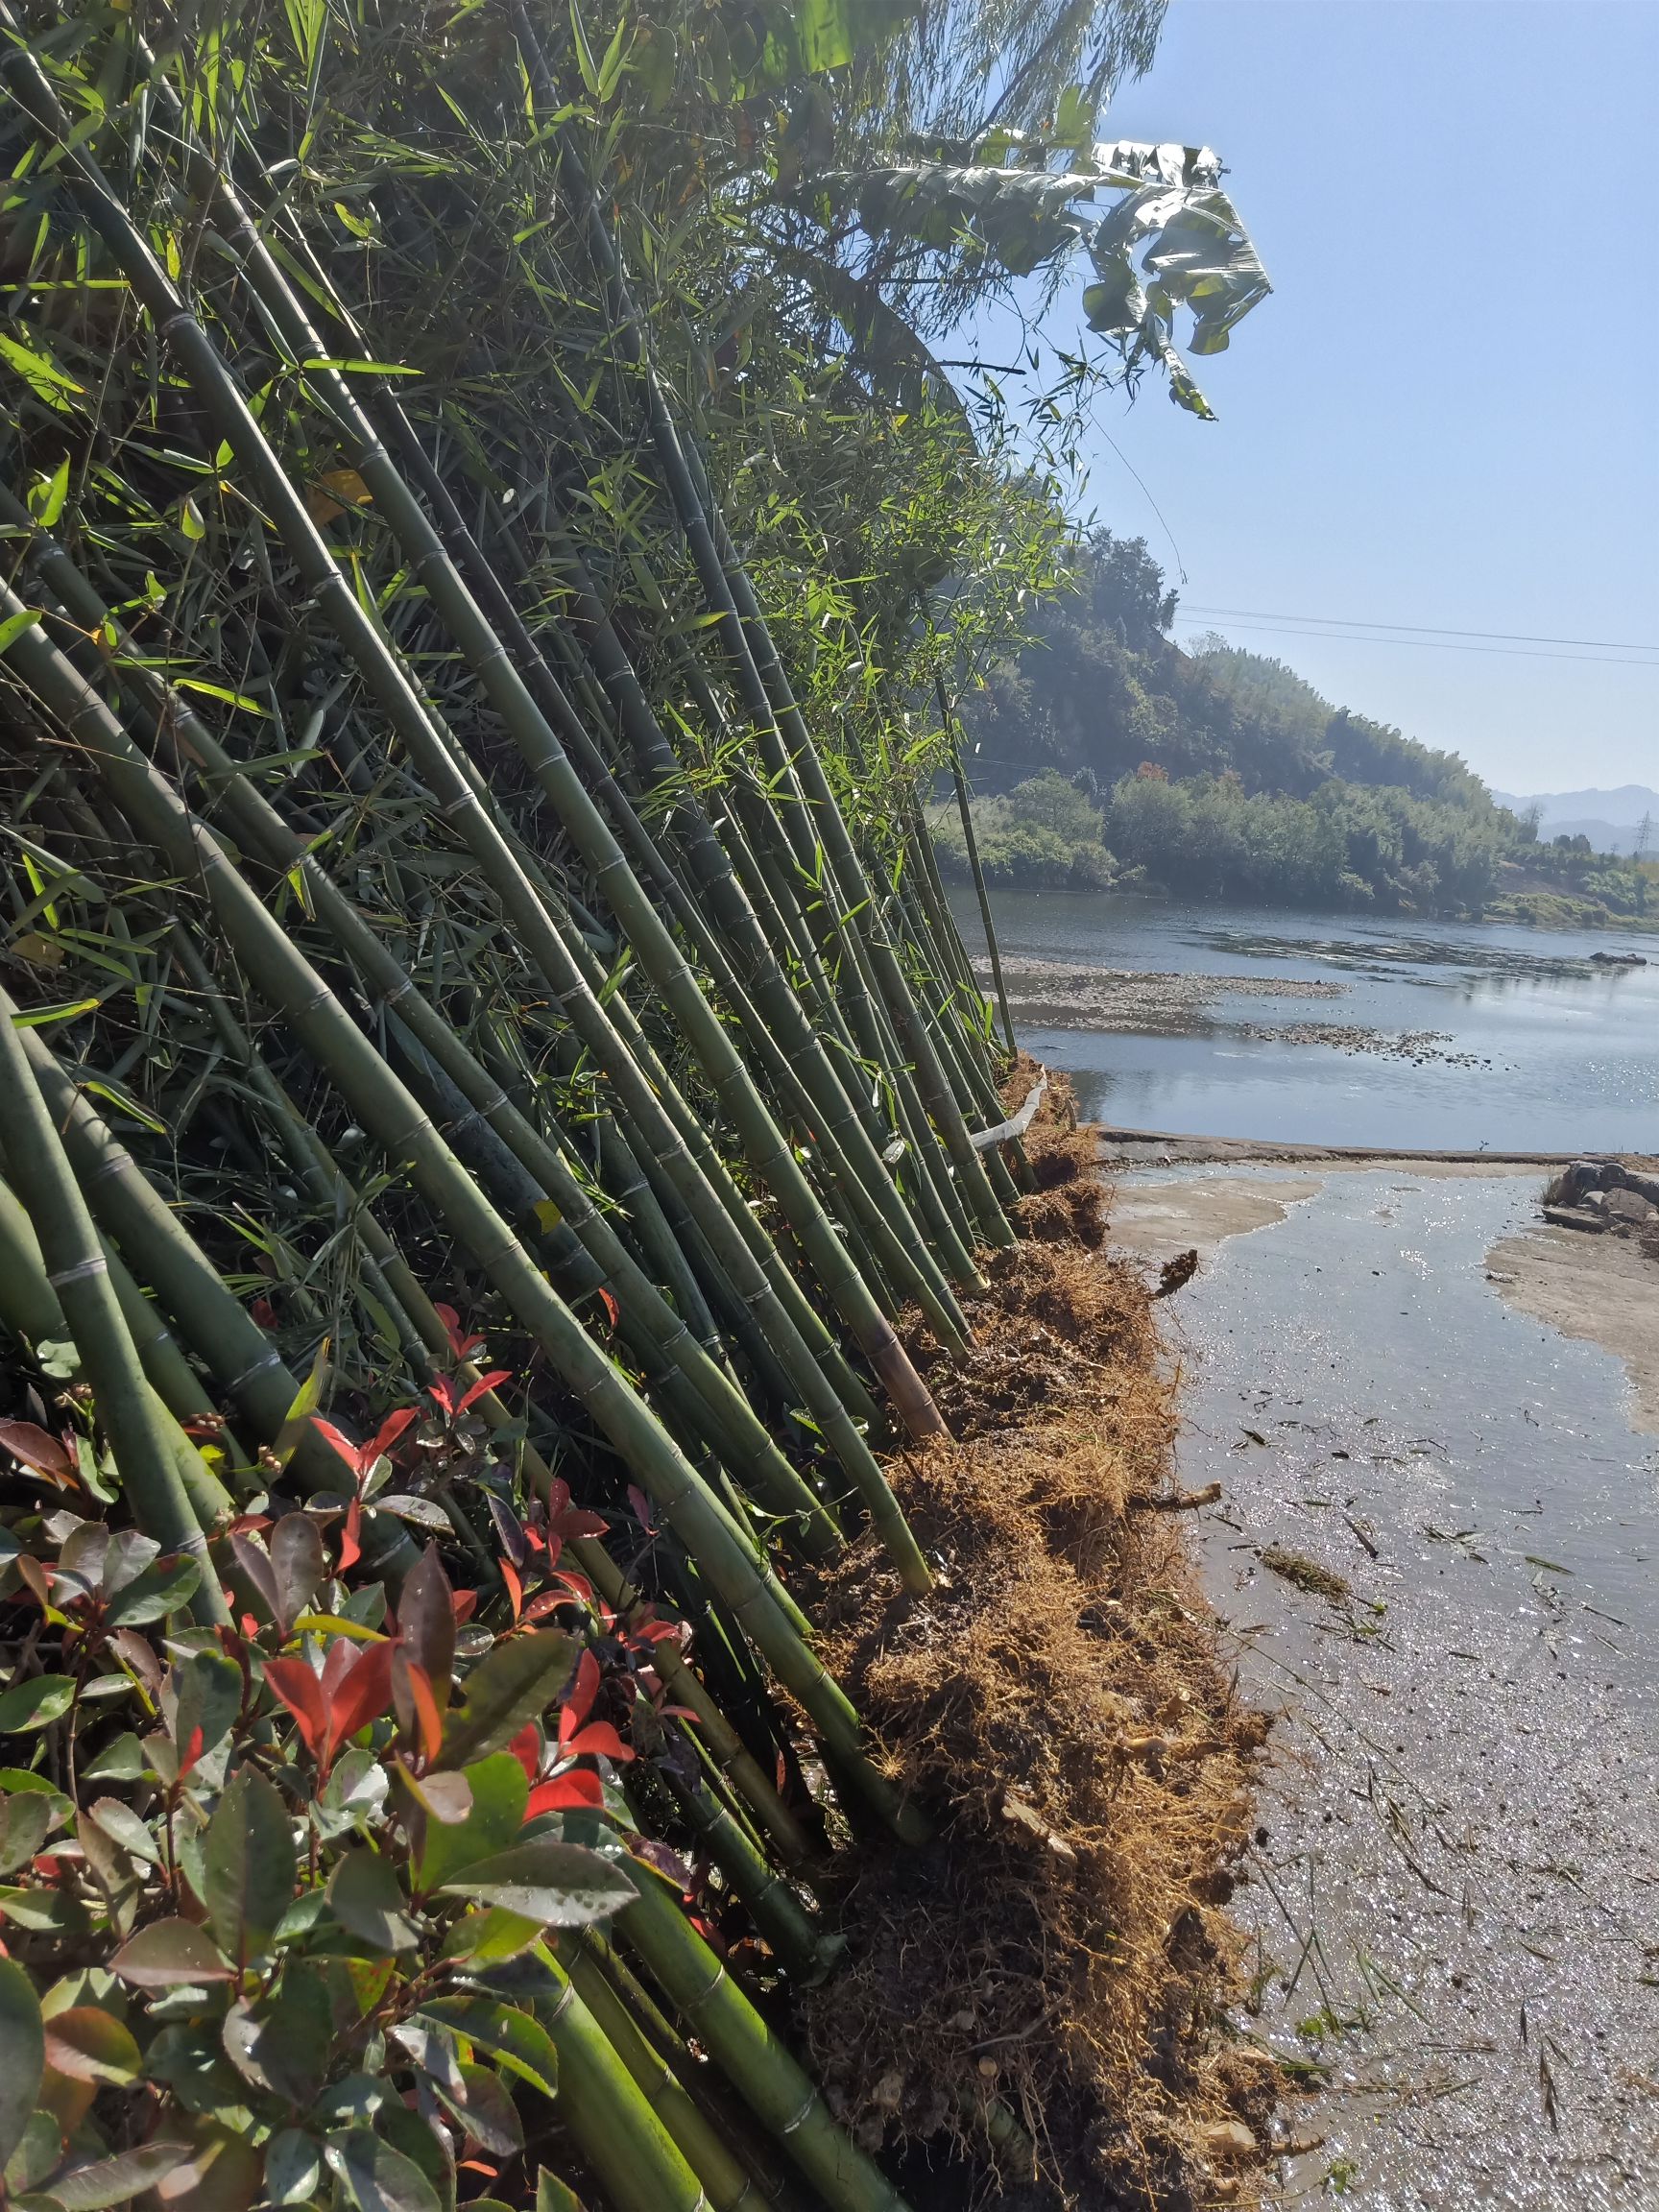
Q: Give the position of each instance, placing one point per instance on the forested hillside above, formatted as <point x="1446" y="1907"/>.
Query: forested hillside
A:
<point x="1103" y="752"/>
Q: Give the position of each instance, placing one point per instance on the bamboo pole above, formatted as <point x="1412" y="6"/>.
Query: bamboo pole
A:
<point x="972" y="845"/>
<point x="753" y="2059"/>
<point x="78" y="1272"/>
<point x="286" y="980"/>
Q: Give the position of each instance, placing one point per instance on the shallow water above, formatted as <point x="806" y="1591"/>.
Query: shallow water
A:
<point x="1573" y="1050"/>
<point x="1453" y="1896"/>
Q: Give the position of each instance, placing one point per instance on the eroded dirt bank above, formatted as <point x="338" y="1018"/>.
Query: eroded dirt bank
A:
<point x="1056" y="1964"/>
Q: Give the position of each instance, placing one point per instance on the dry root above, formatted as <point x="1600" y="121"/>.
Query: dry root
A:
<point x="1058" y="1704"/>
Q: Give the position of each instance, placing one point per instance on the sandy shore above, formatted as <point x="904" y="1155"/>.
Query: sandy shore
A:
<point x="1048" y="995"/>
<point x="1600" y="1289"/>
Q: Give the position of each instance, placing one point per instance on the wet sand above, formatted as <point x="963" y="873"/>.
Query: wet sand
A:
<point x="1599" y="1288"/>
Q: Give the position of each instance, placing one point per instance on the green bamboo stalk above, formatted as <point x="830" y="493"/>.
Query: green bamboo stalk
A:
<point x="248" y="1367"/>
<point x="753" y="2059"/>
<point x="286" y="980"/>
<point x="978" y="873"/>
<point x="729" y="2185"/>
<point x="634" y="2158"/>
<point x="77" y="1271"/>
<point x="541" y="746"/>
<point x="257" y="824"/>
<point x="455" y="786"/>
<point x="31" y="1309"/>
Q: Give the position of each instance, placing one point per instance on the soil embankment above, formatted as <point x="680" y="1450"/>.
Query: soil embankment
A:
<point x="1057" y="1959"/>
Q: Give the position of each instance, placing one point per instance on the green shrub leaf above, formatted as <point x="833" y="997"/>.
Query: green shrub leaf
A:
<point x="22" y="2055"/>
<point x="249" y="1866"/>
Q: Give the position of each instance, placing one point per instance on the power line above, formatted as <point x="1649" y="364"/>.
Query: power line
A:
<point x="1429" y="629"/>
<point x="1427" y="644"/>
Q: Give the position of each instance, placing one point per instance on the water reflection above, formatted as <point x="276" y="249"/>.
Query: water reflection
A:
<point x="1549" y="1050"/>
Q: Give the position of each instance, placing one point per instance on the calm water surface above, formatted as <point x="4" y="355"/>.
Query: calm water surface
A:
<point x="1574" y="1049"/>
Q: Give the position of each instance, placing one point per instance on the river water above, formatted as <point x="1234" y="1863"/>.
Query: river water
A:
<point x="1451" y="1899"/>
<point x="1566" y="1052"/>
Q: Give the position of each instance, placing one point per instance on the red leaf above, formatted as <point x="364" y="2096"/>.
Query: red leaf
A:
<point x="388" y="1432"/>
<point x="426" y="1712"/>
<point x="582" y="1691"/>
<point x="558" y="1496"/>
<point x="526" y="1748"/>
<point x="460" y="1343"/>
<point x="299" y="1690"/>
<point x="338" y="1441"/>
<point x="515" y="1586"/>
<point x="609" y="1305"/>
<point x="597" y="1739"/>
<point x="351" y="1550"/>
<point x="641" y="1505"/>
<point x="547" y="1603"/>
<point x="577" y="1522"/>
<point x="192" y="1751"/>
<point x="654" y="1632"/>
<point x="264" y="1312"/>
<point x="465" y="1603"/>
<point x="337" y="1662"/>
<point x="445" y="1396"/>
<point x="36" y="1448"/>
<point x="484" y="1384"/>
<point x="577" y="1791"/>
<point x="364" y="1694"/>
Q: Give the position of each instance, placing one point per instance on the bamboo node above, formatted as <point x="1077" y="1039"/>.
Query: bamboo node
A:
<point x="79" y="1273"/>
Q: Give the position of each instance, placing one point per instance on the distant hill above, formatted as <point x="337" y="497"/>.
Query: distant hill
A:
<point x="1609" y="819"/>
<point x="1104" y="753"/>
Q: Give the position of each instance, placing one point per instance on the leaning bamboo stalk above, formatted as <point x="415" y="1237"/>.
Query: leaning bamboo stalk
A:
<point x="287" y="981"/>
<point x="730" y="2184"/>
<point x="456" y="787"/>
<point x="257" y="822"/>
<point x="541" y="744"/>
<point x="737" y="1432"/>
<point x="636" y="2159"/>
<point x="31" y="1309"/>
<point x="753" y="2059"/>
<point x="969" y="839"/>
<point x="78" y="1272"/>
<point x="718" y="1740"/>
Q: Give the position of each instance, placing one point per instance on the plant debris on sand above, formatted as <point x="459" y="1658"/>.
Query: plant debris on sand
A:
<point x="1058" y="1955"/>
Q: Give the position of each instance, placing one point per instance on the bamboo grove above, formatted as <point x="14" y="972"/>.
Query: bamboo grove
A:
<point x="486" y="1064"/>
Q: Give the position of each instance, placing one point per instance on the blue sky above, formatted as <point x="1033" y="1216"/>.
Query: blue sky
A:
<point x="1447" y="413"/>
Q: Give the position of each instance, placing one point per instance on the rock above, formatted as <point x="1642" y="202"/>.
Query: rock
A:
<point x="1627" y="1208"/>
<point x="1227" y="2141"/>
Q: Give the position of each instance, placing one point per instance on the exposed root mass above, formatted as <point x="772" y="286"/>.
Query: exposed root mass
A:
<point x="1058" y="1953"/>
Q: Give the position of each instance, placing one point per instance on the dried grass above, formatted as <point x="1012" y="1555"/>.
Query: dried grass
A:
<point x="1059" y="1703"/>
